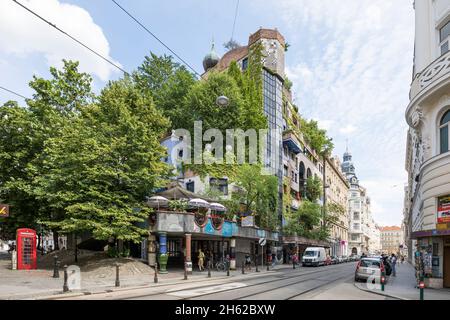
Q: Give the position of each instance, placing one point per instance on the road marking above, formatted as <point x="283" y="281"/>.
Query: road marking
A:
<point x="207" y="290"/>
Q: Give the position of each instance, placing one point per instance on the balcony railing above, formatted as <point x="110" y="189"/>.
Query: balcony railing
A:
<point x="439" y="69"/>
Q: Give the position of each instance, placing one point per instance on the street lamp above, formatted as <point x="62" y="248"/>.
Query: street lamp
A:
<point x="222" y="101"/>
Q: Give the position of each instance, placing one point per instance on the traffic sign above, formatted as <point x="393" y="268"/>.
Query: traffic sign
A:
<point x="262" y="242"/>
<point x="4" y="210"/>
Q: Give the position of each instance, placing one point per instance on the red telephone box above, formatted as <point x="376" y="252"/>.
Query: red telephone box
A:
<point x="26" y="249"/>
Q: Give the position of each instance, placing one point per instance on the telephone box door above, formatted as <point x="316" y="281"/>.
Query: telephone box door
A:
<point x="26" y="249"/>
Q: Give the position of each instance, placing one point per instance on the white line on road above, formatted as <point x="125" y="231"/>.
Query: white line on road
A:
<point x="207" y="290"/>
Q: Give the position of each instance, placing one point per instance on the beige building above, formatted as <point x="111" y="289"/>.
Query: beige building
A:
<point x="391" y="239"/>
<point x="336" y="195"/>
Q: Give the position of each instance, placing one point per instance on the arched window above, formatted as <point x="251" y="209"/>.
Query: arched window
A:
<point x="308" y="173"/>
<point x="301" y="170"/>
<point x="444" y="132"/>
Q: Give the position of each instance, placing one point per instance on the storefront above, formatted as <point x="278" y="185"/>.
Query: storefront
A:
<point x="432" y="257"/>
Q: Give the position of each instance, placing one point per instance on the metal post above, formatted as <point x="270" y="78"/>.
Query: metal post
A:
<point x="155" y="278"/>
<point x="267" y="263"/>
<point x="56" y="267"/>
<point x="65" y="286"/>
<point x="383" y="280"/>
<point x="421" y="286"/>
<point x="243" y="270"/>
<point x="117" y="275"/>
<point x="228" y="268"/>
<point x="209" y="269"/>
<point x="256" y="264"/>
<point x="185" y="271"/>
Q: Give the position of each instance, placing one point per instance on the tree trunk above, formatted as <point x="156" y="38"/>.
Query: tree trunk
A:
<point x="55" y="239"/>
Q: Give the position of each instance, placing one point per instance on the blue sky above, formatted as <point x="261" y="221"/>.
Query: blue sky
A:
<point x="350" y="60"/>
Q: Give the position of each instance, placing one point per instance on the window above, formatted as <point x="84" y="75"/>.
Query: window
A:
<point x="356" y="216"/>
<point x="444" y="137"/>
<point x="285" y="171"/>
<point x="190" y="186"/>
<point x="445" y="38"/>
<point x="220" y="185"/>
<point x="245" y="64"/>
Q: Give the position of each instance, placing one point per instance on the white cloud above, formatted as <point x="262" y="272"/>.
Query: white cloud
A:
<point x="353" y="67"/>
<point x="349" y="129"/>
<point x="22" y="34"/>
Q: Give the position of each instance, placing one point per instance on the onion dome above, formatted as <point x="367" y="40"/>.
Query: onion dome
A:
<point x="211" y="59"/>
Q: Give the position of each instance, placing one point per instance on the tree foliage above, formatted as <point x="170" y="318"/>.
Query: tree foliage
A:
<point x="316" y="137"/>
<point x="313" y="189"/>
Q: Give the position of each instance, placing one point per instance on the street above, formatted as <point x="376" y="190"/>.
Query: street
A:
<point x="323" y="283"/>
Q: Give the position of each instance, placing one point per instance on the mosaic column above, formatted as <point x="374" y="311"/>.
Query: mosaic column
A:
<point x="188" y="253"/>
<point x="233" y="254"/>
<point x="163" y="256"/>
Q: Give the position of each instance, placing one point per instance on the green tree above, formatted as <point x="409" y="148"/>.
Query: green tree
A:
<point x="101" y="167"/>
<point x="313" y="189"/>
<point x="305" y="221"/>
<point x="316" y="137"/>
<point x="168" y="83"/>
<point x="55" y="103"/>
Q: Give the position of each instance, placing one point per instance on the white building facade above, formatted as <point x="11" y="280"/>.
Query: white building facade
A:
<point x="427" y="213"/>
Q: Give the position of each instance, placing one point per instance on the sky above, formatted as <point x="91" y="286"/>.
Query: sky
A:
<point x="350" y="62"/>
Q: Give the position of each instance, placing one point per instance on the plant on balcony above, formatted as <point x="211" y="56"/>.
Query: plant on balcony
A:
<point x="317" y="138"/>
<point x="313" y="189"/>
<point x="178" y="205"/>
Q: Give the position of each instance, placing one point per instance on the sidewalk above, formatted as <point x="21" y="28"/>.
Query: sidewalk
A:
<point x="403" y="286"/>
<point x="32" y="284"/>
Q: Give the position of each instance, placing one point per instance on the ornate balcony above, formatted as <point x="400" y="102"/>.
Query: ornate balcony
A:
<point x="291" y="142"/>
<point x="435" y="77"/>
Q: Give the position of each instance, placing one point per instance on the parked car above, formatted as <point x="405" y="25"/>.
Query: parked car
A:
<point x="334" y="260"/>
<point x="345" y="258"/>
<point x="340" y="259"/>
<point x="314" y="257"/>
<point x="369" y="268"/>
<point x="328" y="261"/>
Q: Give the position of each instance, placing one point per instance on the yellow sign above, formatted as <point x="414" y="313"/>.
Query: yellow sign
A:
<point x="442" y="226"/>
<point x="4" y="210"/>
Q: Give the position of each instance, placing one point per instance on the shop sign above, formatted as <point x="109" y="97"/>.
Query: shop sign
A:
<point x="442" y="226"/>
<point x="443" y="214"/>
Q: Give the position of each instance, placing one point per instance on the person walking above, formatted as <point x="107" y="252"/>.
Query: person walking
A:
<point x="201" y="260"/>
<point x="394" y="264"/>
<point x="248" y="262"/>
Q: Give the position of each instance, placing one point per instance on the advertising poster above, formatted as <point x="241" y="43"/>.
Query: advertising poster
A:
<point x="443" y="213"/>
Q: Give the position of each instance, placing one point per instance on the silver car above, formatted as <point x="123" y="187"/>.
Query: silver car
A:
<point x="369" y="268"/>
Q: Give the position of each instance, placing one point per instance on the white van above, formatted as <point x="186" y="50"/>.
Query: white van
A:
<point x="314" y="257"/>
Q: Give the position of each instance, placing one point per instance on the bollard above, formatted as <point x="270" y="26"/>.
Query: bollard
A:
<point x="56" y="267"/>
<point x="65" y="286"/>
<point x="185" y="271"/>
<point x="117" y="275"/>
<point x="383" y="280"/>
<point x="256" y="266"/>
<point x="209" y="269"/>
<point x="293" y="264"/>
<point x="243" y="266"/>
<point x="155" y="279"/>
<point x="421" y="287"/>
<point x="267" y="266"/>
<point x="228" y="268"/>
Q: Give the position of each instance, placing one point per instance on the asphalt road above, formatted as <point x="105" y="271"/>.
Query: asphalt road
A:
<point x="323" y="283"/>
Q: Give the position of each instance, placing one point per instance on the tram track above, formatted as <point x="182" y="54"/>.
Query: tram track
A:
<point x="280" y="278"/>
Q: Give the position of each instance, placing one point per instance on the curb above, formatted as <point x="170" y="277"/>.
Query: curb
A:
<point x="381" y="294"/>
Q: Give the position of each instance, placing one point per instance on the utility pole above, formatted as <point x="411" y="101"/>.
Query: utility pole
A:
<point x="324" y="192"/>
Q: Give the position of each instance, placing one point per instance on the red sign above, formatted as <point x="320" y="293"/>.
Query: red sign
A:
<point x="4" y="210"/>
<point x="26" y="249"/>
<point x="422" y="285"/>
<point x="443" y="214"/>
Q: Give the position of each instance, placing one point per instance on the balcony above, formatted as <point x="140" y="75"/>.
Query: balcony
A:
<point x="433" y="79"/>
<point x="179" y="223"/>
<point x="291" y="142"/>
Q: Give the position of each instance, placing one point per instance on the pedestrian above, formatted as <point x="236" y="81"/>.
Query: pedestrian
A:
<point x="201" y="259"/>
<point x="295" y="259"/>
<point x="394" y="264"/>
<point x="274" y="259"/>
<point x="403" y="259"/>
<point x="248" y="262"/>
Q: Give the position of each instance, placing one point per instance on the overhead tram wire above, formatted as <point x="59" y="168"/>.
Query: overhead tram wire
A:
<point x="13" y="92"/>
<point x="71" y="37"/>
<point x="154" y="36"/>
<point x="235" y="18"/>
